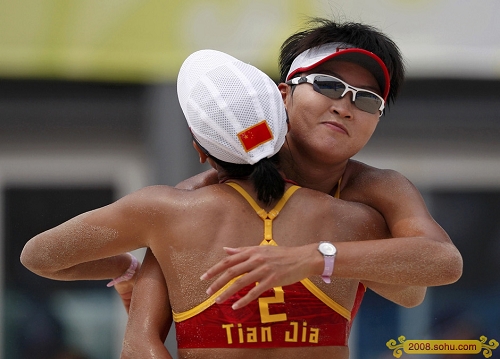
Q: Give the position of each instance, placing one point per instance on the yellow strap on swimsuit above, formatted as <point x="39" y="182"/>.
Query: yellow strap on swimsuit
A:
<point x="266" y="217"/>
<point x="268" y="240"/>
<point x="337" y="192"/>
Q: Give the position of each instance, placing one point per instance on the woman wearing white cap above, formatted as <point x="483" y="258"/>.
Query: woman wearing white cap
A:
<point x="336" y="81"/>
<point x="238" y="122"/>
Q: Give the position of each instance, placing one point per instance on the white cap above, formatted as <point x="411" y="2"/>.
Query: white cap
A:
<point x="315" y="56"/>
<point x="234" y="110"/>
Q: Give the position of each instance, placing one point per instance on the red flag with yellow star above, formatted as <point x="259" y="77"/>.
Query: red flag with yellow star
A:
<point x="255" y="135"/>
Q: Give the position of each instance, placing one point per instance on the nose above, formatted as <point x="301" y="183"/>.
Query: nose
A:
<point x="344" y="105"/>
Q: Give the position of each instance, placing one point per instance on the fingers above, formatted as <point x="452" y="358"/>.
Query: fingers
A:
<point x="124" y="290"/>
<point x="242" y="282"/>
<point x="260" y="277"/>
<point x="236" y="256"/>
<point x="239" y="284"/>
<point x="231" y="251"/>
<point x="240" y="267"/>
<point x="253" y="294"/>
<point x="265" y="265"/>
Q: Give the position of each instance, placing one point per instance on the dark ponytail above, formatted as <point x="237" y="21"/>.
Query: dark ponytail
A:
<point x="267" y="180"/>
<point x="264" y="175"/>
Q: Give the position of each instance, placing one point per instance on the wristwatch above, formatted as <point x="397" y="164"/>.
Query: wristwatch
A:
<point x="328" y="251"/>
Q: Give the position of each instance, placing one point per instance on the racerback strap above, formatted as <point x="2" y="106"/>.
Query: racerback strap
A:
<point x="267" y="217"/>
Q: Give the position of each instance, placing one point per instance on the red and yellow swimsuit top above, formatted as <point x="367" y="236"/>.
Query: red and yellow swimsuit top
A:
<point x="297" y="315"/>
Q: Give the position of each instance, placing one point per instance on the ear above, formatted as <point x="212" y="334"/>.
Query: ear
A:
<point x="284" y="90"/>
<point x="203" y="155"/>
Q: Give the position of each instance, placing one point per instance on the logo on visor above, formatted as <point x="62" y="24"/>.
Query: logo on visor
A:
<point x="255" y="136"/>
<point x="342" y="48"/>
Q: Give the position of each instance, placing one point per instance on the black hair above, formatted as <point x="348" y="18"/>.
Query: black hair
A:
<point x="323" y="31"/>
<point x="264" y="175"/>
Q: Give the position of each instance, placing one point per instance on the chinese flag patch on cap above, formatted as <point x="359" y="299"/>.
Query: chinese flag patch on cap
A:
<point x="255" y="136"/>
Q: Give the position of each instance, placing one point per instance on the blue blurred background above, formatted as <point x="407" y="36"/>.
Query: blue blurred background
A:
<point x="89" y="113"/>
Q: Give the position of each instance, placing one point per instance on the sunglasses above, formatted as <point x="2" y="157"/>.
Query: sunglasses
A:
<point x="335" y="88"/>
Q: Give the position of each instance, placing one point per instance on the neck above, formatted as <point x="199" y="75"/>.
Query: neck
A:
<point x="225" y="178"/>
<point x="311" y="174"/>
<point x="249" y="187"/>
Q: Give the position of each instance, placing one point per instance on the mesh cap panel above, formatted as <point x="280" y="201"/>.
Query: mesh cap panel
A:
<point x="225" y="102"/>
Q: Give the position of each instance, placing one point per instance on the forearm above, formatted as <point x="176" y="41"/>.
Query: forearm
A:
<point x="150" y="315"/>
<point x="399" y="261"/>
<point x="80" y="248"/>
<point x="396" y="262"/>
<point x="149" y="350"/>
<point x="402" y="294"/>
<point x="106" y="268"/>
<point x="398" y="275"/>
<point x="383" y="266"/>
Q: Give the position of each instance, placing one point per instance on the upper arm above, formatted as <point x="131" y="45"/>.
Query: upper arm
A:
<point x="401" y="205"/>
<point x="407" y="216"/>
<point x="104" y="232"/>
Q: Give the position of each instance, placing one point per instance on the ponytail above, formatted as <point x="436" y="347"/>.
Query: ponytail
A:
<point x="264" y="175"/>
<point x="267" y="180"/>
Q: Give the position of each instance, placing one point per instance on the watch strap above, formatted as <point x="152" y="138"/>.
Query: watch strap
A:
<point x="327" y="272"/>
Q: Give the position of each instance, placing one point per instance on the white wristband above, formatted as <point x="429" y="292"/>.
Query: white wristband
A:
<point x="129" y="273"/>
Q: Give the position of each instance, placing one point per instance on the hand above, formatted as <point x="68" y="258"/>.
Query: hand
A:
<point x="269" y="266"/>
<point x="125" y="289"/>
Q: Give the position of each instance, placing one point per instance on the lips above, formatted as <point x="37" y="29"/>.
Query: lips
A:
<point x="336" y="126"/>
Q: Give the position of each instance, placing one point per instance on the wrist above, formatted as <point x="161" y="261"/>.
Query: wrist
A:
<point x="128" y="274"/>
<point x="328" y="251"/>
<point x="318" y="262"/>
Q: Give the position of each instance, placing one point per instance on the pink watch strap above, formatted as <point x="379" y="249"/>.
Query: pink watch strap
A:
<point x="327" y="272"/>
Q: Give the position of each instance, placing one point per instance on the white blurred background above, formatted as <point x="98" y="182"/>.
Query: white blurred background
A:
<point x="89" y="113"/>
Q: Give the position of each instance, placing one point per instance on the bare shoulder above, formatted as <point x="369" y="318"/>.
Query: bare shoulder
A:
<point x="203" y="179"/>
<point x="150" y="196"/>
<point x="163" y="211"/>
<point x="167" y="197"/>
<point x="377" y="187"/>
<point x="363" y="177"/>
<point x="395" y="197"/>
<point x="357" y="217"/>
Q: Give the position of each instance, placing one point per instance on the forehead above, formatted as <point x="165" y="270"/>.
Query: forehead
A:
<point x="350" y="72"/>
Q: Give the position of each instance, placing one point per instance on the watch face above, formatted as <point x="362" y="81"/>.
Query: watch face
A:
<point x="327" y="249"/>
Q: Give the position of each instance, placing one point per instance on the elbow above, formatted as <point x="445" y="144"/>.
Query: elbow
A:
<point x="412" y="303"/>
<point x="31" y="263"/>
<point x="414" y="298"/>
<point x="453" y="266"/>
<point x="457" y="269"/>
<point x="27" y="259"/>
<point x="33" y="260"/>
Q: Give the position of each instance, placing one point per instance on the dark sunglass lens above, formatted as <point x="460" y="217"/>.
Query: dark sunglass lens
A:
<point x="328" y="87"/>
<point x="367" y="102"/>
